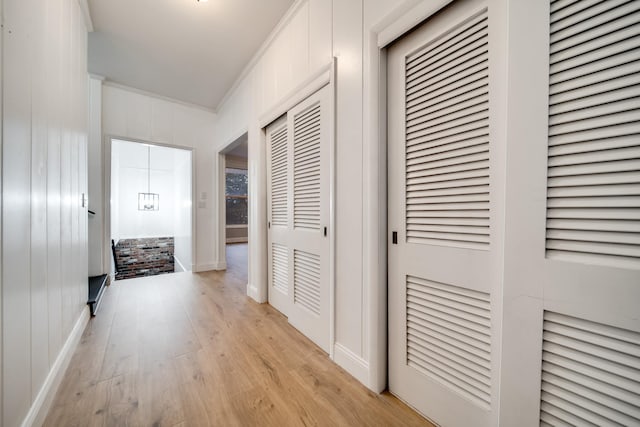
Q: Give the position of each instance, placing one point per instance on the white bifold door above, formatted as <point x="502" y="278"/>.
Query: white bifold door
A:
<point x="298" y="211"/>
<point x="442" y="258"/>
<point x="571" y="348"/>
<point x="558" y="306"/>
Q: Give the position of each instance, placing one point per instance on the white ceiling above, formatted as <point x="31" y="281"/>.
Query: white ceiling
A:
<point x="183" y="49"/>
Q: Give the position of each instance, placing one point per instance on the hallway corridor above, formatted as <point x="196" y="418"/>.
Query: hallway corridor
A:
<point x="193" y="350"/>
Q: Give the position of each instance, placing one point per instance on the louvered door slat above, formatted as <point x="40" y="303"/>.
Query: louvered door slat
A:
<point x="446" y="44"/>
<point x="280" y="267"/>
<point x="591" y="371"/>
<point x="447" y="137"/>
<point x="594" y="134"/>
<point x="440" y="320"/>
<point x="306" y="168"/>
<point x="279" y="170"/>
<point x="306" y="283"/>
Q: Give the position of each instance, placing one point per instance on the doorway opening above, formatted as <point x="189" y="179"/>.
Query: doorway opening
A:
<point x="236" y="204"/>
<point x="151" y="209"/>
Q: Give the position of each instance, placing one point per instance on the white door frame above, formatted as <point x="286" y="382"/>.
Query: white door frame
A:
<point x="258" y="289"/>
<point x="220" y="197"/>
<point x="377" y="38"/>
<point x="106" y="164"/>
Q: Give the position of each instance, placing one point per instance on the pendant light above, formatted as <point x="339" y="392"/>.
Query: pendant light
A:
<point x="148" y="201"/>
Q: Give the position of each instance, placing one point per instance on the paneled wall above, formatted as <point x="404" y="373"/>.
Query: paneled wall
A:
<point x="44" y="174"/>
<point x="313" y="33"/>
<point x="132" y="115"/>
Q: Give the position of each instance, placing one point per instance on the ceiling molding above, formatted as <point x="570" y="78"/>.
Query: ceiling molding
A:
<point x="260" y="53"/>
<point x="160" y="97"/>
<point x="86" y="13"/>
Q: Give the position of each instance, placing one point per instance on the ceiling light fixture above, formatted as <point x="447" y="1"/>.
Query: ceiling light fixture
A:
<point x="148" y="201"/>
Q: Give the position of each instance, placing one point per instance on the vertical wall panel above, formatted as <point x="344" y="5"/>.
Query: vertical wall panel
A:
<point x="347" y="43"/>
<point x="296" y="53"/>
<point x="97" y="253"/>
<point x="188" y="127"/>
<point x="54" y="259"/>
<point x="39" y="303"/>
<point x="319" y="33"/>
<point x="16" y="180"/>
<point x="44" y="241"/>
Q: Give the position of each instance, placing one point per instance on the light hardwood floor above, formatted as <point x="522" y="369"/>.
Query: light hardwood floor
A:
<point x="193" y="350"/>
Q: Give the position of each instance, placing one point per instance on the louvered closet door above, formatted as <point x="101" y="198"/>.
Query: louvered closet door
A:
<point x="279" y="200"/>
<point x="308" y="125"/>
<point x="440" y="270"/>
<point x="298" y="171"/>
<point x="589" y="270"/>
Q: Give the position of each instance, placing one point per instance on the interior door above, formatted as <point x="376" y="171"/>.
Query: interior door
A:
<point x="299" y="216"/>
<point x="278" y="213"/>
<point x="572" y="276"/>
<point x="442" y="249"/>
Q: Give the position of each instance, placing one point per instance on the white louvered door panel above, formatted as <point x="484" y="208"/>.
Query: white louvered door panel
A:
<point x="572" y="282"/>
<point x="591" y="334"/>
<point x="441" y="343"/>
<point x="309" y="124"/>
<point x="590" y="373"/>
<point x="593" y="199"/>
<point x="278" y="189"/>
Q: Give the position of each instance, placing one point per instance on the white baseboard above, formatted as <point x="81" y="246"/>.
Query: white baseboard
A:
<point x="41" y="405"/>
<point x="178" y="264"/>
<point x="352" y="363"/>
<point x="254" y="293"/>
<point x="198" y="268"/>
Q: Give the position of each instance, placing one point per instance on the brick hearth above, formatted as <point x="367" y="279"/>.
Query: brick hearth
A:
<point x="144" y="257"/>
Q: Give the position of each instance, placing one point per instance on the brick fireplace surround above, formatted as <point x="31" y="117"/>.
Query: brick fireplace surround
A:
<point x="144" y="257"/>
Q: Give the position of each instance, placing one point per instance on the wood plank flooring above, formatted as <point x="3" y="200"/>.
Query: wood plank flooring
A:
<point x="193" y="350"/>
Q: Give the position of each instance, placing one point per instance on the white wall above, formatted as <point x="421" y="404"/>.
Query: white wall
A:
<point x="132" y="179"/>
<point x="171" y="176"/>
<point x="96" y="182"/>
<point x="314" y="32"/>
<point x="115" y="195"/>
<point x="309" y="37"/>
<point x="44" y="242"/>
<point x="136" y="116"/>
<point x="182" y="209"/>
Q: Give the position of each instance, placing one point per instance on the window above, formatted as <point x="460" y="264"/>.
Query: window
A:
<point x="236" y="196"/>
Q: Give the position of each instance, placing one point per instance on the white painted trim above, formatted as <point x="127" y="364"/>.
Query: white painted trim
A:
<point x="351" y="362"/>
<point x="216" y="266"/>
<point x="221" y="209"/>
<point x="322" y="77"/>
<point x="293" y="10"/>
<point x="230" y="141"/>
<point x="392" y="26"/>
<point x="254" y="293"/>
<point x="86" y="14"/>
<point x="177" y="261"/>
<point x="1" y="199"/>
<point x="332" y="207"/>
<point x="115" y="85"/>
<point x="42" y="403"/>
<point x="106" y="164"/>
<point x="404" y="19"/>
<point x="313" y="83"/>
